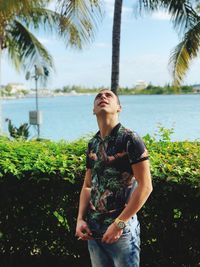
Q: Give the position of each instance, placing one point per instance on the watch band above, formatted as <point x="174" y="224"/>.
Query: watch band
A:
<point x="120" y="223"/>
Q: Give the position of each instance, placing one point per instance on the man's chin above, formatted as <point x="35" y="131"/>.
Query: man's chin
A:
<point x="101" y="112"/>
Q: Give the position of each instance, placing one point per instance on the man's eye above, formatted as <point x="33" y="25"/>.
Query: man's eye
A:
<point x="108" y="95"/>
<point x="98" y="96"/>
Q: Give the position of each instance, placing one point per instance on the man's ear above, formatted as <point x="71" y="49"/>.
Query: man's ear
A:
<point x="119" y="108"/>
<point x="93" y="112"/>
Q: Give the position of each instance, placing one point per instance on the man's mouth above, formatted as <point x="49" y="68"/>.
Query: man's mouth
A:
<point x="103" y="102"/>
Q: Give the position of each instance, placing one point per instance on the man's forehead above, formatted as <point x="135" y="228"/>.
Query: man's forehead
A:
<point x="104" y="91"/>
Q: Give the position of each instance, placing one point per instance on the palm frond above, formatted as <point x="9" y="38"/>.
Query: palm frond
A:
<point x="183" y="16"/>
<point x="198" y="8"/>
<point x="25" y="49"/>
<point x="14" y="7"/>
<point x="41" y="17"/>
<point x="148" y="5"/>
<point x="184" y="52"/>
<point x="84" y="16"/>
<point x="59" y="24"/>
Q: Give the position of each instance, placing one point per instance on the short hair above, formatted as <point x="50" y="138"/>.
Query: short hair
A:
<point x="107" y="89"/>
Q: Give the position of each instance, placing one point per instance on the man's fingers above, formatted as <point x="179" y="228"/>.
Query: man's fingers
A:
<point x="110" y="240"/>
<point x="83" y="232"/>
<point x="85" y="229"/>
<point x="84" y="237"/>
<point x="88" y="230"/>
<point x="78" y="233"/>
<point x="105" y="239"/>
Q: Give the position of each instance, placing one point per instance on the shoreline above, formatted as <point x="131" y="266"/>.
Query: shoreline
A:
<point x="43" y="96"/>
<point x="80" y="94"/>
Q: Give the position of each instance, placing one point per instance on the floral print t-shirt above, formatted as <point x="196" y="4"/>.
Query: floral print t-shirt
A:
<point x="113" y="181"/>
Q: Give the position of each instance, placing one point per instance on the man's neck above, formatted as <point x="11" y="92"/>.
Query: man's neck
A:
<point x="106" y="124"/>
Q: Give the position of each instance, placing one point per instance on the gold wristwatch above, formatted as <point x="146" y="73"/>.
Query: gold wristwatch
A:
<point x="120" y="223"/>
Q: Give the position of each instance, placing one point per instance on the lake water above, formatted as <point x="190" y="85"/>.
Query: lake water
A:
<point x="71" y="117"/>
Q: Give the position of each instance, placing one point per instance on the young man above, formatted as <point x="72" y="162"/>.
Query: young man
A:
<point x="117" y="184"/>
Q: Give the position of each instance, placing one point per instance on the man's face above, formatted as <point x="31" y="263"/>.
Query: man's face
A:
<point x="107" y="102"/>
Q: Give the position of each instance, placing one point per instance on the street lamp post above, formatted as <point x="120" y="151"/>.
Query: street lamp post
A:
<point x="35" y="117"/>
<point x="36" y="76"/>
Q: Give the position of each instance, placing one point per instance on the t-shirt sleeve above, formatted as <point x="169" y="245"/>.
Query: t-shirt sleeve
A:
<point x="136" y="148"/>
<point x="88" y="160"/>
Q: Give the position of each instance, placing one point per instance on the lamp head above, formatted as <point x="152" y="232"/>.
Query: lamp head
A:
<point x="28" y="75"/>
<point x="39" y="70"/>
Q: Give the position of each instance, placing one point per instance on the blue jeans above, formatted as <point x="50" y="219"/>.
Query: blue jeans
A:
<point x="123" y="253"/>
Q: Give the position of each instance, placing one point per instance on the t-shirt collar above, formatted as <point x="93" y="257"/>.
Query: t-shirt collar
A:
<point x="113" y="133"/>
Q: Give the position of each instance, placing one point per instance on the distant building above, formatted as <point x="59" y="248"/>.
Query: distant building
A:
<point x="140" y="85"/>
<point x="196" y="88"/>
<point x="45" y="92"/>
<point x="41" y="93"/>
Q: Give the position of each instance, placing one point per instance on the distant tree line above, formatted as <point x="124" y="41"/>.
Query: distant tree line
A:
<point x="8" y="91"/>
<point x="75" y="22"/>
<point x="158" y="90"/>
<point x="149" y="90"/>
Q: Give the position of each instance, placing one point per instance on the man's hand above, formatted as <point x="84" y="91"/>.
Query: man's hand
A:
<point x="82" y="230"/>
<point x="112" y="234"/>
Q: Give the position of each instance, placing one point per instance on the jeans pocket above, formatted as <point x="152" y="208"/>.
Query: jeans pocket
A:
<point x="137" y="230"/>
<point x="126" y="230"/>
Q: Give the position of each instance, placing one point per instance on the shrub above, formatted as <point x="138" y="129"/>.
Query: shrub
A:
<point x="40" y="184"/>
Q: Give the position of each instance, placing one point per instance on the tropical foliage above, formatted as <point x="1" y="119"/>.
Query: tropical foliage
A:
<point x="19" y="20"/>
<point x="149" y="90"/>
<point x="40" y="184"/>
<point x="185" y="20"/>
<point x="187" y="23"/>
<point x="18" y="132"/>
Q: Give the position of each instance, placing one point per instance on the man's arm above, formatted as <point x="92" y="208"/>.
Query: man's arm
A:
<point x="142" y="174"/>
<point x="82" y="229"/>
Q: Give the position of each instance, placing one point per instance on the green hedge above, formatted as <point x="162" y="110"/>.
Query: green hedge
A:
<point x="40" y="184"/>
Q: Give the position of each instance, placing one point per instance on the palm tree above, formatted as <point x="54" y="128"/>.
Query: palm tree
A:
<point x="76" y="27"/>
<point x="184" y="19"/>
<point x="185" y="52"/>
<point x="187" y="22"/>
<point x="73" y="20"/>
<point x="116" y="33"/>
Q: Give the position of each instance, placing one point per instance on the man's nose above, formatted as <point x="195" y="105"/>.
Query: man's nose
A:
<point x="103" y="96"/>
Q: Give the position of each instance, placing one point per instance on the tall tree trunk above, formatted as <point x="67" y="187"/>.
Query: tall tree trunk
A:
<point x="116" y="45"/>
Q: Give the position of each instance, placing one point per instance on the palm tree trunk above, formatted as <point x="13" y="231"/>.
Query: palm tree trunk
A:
<point x="116" y="45"/>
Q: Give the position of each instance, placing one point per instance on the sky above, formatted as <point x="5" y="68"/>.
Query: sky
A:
<point x="146" y="44"/>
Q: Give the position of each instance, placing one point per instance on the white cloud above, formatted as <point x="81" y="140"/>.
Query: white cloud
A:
<point x="147" y="67"/>
<point x="127" y="10"/>
<point x="109" y="7"/>
<point x="102" y="45"/>
<point x="45" y="40"/>
<point x="161" y="15"/>
<point x="153" y="68"/>
<point x="52" y="5"/>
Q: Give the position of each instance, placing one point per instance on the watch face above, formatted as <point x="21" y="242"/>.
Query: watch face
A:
<point x="121" y="225"/>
